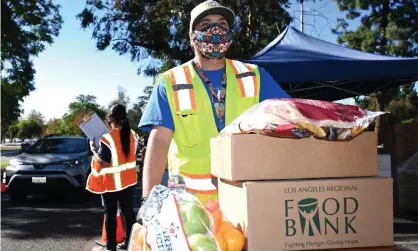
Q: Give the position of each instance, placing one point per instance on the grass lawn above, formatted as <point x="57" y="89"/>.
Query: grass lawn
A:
<point x="4" y="164"/>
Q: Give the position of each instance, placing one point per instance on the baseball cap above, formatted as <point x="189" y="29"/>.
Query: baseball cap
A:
<point x="207" y="8"/>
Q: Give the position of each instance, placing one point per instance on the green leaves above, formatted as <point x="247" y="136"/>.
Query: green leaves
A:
<point x="82" y="106"/>
<point x="26" y="129"/>
<point x="159" y="29"/>
<point x="27" y="27"/>
<point x="388" y="28"/>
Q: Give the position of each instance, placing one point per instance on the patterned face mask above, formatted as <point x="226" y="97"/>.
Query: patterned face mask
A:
<point x="213" y="41"/>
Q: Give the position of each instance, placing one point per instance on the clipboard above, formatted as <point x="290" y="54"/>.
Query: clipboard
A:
<point x="94" y="127"/>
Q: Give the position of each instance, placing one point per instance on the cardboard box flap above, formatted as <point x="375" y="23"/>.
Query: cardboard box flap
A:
<point x="244" y="157"/>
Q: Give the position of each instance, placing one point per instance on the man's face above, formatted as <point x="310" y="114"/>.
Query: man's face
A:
<point x="211" y="41"/>
<point x="211" y="19"/>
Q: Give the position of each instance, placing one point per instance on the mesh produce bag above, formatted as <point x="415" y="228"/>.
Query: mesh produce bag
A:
<point x="298" y="118"/>
<point x="176" y="221"/>
<point x="222" y="235"/>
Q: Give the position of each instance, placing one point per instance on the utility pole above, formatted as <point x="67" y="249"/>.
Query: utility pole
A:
<point x="301" y="15"/>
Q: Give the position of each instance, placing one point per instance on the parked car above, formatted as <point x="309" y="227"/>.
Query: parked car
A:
<point x="51" y="164"/>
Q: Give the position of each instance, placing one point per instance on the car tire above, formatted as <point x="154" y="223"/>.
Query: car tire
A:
<point x="17" y="197"/>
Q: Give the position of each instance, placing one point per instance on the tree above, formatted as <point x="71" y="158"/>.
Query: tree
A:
<point x="387" y="28"/>
<point x="36" y="116"/>
<point x="26" y="27"/>
<point x="13" y="131"/>
<point x="55" y="126"/>
<point x="135" y="113"/>
<point x="159" y="29"/>
<point x="122" y="98"/>
<point x="78" y="109"/>
<point x="27" y="129"/>
<point x="143" y="99"/>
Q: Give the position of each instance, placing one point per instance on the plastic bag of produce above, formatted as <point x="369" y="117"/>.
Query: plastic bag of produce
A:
<point x="228" y="237"/>
<point x="298" y="118"/>
<point x="176" y="221"/>
<point x="136" y="242"/>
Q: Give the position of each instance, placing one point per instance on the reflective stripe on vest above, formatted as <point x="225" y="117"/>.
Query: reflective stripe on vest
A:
<point x="184" y="96"/>
<point x="117" y="169"/>
<point x="199" y="183"/>
<point x="246" y="78"/>
<point x="189" y="152"/>
<point x="182" y="88"/>
<point x="114" y="178"/>
<point x="112" y="148"/>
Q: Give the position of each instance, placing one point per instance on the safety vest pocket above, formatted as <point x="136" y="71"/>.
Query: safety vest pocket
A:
<point x="189" y="126"/>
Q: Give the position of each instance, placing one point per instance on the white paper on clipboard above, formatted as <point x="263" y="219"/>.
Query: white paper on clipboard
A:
<point x="93" y="127"/>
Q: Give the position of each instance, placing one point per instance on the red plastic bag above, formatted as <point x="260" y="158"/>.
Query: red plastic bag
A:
<point x="298" y="118"/>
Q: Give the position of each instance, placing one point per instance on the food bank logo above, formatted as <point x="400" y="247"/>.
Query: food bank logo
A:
<point x="314" y="218"/>
<point x="309" y="216"/>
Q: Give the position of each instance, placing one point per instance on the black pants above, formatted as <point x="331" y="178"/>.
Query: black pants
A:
<point x="110" y="201"/>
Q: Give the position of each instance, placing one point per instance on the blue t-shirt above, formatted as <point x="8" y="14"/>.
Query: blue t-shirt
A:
<point x="157" y="111"/>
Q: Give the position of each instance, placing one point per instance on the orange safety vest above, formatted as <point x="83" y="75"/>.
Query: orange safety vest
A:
<point x="122" y="171"/>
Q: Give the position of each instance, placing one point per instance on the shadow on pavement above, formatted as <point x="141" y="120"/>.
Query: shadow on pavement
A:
<point x="410" y="227"/>
<point x="41" y="217"/>
<point x="79" y="214"/>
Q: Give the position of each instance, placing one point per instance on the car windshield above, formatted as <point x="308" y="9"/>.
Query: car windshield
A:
<point x="60" y="145"/>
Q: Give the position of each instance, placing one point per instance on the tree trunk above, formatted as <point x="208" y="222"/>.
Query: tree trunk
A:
<point x="383" y="51"/>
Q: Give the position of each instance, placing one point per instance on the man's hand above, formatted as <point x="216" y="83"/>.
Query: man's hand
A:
<point x="156" y="157"/>
<point x="139" y="215"/>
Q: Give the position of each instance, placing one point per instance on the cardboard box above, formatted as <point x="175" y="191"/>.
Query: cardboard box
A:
<point x="392" y="248"/>
<point x="245" y="157"/>
<point x="310" y="214"/>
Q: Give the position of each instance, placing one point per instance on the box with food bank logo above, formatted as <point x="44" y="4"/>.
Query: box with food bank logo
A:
<point x="311" y="214"/>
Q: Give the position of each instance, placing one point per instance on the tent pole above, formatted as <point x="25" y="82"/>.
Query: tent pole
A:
<point x="301" y="15"/>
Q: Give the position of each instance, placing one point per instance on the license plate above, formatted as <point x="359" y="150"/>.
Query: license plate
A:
<point x="39" y="180"/>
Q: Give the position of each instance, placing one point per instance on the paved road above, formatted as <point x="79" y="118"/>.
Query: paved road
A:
<point x="406" y="231"/>
<point x="75" y="222"/>
<point x="6" y="155"/>
<point x="50" y="224"/>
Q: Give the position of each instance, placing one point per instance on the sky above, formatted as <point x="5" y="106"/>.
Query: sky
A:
<point x="72" y="65"/>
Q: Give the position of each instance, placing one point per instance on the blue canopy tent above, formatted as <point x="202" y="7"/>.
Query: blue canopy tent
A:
<point x="308" y="67"/>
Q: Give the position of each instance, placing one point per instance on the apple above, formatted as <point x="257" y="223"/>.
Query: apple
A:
<point x="187" y="198"/>
<point x="195" y="219"/>
<point x="202" y="242"/>
<point x="185" y="202"/>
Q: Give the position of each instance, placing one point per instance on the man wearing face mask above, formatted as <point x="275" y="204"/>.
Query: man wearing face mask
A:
<point x="191" y="103"/>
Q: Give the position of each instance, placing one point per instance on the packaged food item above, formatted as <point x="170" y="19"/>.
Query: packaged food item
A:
<point x="299" y="118"/>
<point x="176" y="221"/>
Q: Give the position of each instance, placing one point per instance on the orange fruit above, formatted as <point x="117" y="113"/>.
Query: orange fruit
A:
<point x="235" y="240"/>
<point x="217" y="219"/>
<point x="225" y="226"/>
<point x="223" y="245"/>
<point x="141" y="236"/>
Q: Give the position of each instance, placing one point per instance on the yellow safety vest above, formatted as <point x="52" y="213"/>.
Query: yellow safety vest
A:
<point x="191" y="108"/>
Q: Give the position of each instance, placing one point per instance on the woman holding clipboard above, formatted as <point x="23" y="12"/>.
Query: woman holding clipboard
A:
<point x="114" y="174"/>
